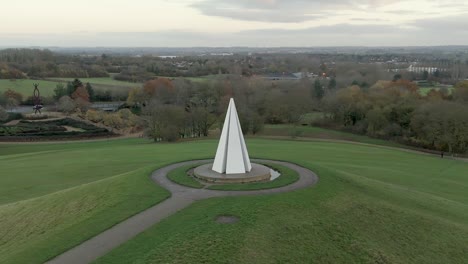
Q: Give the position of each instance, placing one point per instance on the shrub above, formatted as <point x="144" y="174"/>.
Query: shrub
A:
<point x="3" y="114"/>
<point x="66" y="105"/>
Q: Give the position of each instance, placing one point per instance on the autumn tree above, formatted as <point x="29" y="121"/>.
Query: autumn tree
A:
<point x="136" y="97"/>
<point x="377" y="121"/>
<point x="251" y="121"/>
<point x="161" y="89"/>
<point x="10" y="94"/>
<point x="112" y="120"/>
<point x="460" y="92"/>
<point x="348" y="105"/>
<point x="81" y="93"/>
<point x="404" y="86"/>
<point x="443" y="125"/>
<point x="163" y="122"/>
<point x="94" y="116"/>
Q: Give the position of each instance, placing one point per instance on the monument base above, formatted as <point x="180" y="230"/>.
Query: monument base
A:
<point x="259" y="173"/>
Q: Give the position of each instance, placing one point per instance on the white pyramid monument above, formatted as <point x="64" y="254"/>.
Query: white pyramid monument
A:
<point x="232" y="156"/>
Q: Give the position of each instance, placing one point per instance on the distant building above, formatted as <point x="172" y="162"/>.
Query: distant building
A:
<point x="309" y="75"/>
<point x="107" y="107"/>
<point x="419" y="69"/>
<point x="280" y="76"/>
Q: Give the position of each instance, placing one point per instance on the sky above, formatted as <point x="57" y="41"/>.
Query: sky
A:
<point x="223" y="23"/>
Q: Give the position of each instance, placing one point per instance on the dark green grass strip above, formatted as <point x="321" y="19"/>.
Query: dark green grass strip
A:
<point x="180" y="176"/>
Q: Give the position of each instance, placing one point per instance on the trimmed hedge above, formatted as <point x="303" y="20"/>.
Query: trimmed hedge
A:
<point x="54" y="128"/>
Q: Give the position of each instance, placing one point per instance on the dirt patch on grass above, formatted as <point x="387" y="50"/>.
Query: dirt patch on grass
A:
<point x="227" y="219"/>
<point x="73" y="129"/>
<point x="12" y="123"/>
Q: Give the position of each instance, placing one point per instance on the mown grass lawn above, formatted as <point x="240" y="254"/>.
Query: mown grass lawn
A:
<point x="26" y="87"/>
<point x="46" y="87"/>
<point x="100" y="80"/>
<point x="180" y="176"/>
<point x="371" y="204"/>
<point x="321" y="133"/>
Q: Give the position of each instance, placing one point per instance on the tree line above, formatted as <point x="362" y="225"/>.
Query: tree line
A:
<point x="396" y="110"/>
<point x="392" y="110"/>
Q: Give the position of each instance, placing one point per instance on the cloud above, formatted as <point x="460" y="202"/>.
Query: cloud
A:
<point x="338" y="29"/>
<point x="281" y="11"/>
<point x="333" y="35"/>
<point x="443" y="25"/>
<point x="424" y="32"/>
<point x="259" y="10"/>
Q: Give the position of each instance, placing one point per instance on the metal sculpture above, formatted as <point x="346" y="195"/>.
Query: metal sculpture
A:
<point x="37" y="100"/>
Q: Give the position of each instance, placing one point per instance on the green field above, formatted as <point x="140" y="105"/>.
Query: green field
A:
<point x="101" y="80"/>
<point x="371" y="205"/>
<point x="426" y="90"/>
<point x="46" y="87"/>
<point x="26" y="87"/>
<point x="312" y="132"/>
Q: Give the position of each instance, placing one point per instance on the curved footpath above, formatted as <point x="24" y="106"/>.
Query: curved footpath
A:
<point x="181" y="197"/>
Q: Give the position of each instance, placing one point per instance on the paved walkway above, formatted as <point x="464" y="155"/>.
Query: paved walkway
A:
<point x="181" y="197"/>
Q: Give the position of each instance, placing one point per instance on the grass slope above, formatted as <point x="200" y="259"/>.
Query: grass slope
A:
<point x="55" y="196"/>
<point x="30" y="171"/>
<point x="371" y="204"/>
<point x="322" y="133"/>
<point x="35" y="230"/>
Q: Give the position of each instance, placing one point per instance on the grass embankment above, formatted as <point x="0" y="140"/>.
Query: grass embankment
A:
<point x="287" y="177"/>
<point x="55" y="196"/>
<point x="372" y="204"/>
<point x="300" y="132"/>
<point x="38" y="229"/>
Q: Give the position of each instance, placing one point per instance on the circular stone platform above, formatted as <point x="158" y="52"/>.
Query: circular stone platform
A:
<point x="259" y="173"/>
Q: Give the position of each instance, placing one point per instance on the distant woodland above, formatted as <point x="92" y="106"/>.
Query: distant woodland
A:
<point x="179" y="97"/>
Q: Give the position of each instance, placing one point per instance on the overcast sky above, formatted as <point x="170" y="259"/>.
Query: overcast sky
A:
<point x="217" y="23"/>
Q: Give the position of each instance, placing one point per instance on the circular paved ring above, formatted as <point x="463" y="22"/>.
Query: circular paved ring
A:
<point x="181" y="197"/>
<point x="306" y="178"/>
